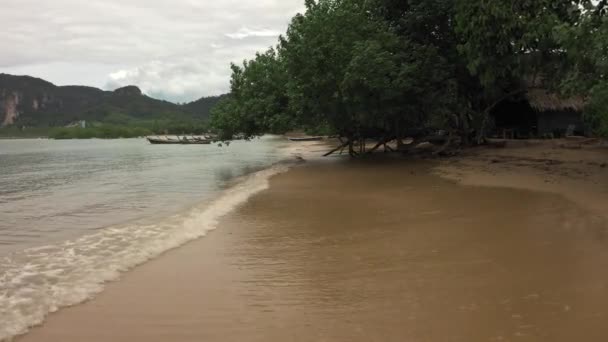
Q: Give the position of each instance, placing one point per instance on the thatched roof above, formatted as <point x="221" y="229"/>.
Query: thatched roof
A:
<point x="542" y="100"/>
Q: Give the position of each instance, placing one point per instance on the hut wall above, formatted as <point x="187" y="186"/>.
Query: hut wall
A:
<point x="556" y="123"/>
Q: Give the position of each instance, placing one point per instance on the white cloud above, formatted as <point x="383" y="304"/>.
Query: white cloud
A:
<point x="180" y="80"/>
<point x="179" y="50"/>
<point x="245" y="32"/>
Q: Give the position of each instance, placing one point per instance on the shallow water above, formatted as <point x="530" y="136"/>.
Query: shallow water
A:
<point x="75" y="214"/>
<point x="50" y="189"/>
<point x="359" y="251"/>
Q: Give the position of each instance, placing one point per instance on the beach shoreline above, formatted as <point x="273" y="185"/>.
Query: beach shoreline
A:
<point x="347" y="250"/>
<point x="577" y="172"/>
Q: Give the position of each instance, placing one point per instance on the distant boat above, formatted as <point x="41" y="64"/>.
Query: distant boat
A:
<point x="179" y="141"/>
<point x="305" y="138"/>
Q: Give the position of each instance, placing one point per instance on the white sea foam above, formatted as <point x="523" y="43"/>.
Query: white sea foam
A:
<point x="41" y="280"/>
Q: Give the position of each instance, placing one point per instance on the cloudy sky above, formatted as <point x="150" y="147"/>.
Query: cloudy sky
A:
<point x="177" y="50"/>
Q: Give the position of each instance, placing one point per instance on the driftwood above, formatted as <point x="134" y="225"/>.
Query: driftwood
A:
<point x="445" y="146"/>
<point x="381" y="142"/>
<point x="351" y="149"/>
<point x="341" y="147"/>
<point x="445" y="142"/>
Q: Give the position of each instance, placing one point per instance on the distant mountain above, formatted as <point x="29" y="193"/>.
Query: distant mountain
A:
<point x="30" y="101"/>
<point x="203" y="105"/>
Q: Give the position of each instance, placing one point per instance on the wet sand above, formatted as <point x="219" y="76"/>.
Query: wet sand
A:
<point x="360" y="251"/>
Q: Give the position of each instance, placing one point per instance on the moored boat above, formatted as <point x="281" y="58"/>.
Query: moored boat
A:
<point x="179" y="140"/>
<point x="305" y="138"/>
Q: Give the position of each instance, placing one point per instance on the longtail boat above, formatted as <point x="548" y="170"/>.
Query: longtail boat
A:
<point x="179" y="140"/>
<point x="305" y="138"/>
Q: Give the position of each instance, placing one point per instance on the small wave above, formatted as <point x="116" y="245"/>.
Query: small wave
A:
<point x="41" y="280"/>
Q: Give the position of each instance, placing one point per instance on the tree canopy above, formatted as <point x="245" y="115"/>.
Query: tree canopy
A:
<point x="389" y="67"/>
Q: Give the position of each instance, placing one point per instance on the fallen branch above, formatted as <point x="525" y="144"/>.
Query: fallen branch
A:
<point x="445" y="146"/>
<point x="341" y="147"/>
<point x="377" y="146"/>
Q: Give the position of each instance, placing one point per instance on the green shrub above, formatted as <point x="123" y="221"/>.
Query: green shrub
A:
<point x="101" y="131"/>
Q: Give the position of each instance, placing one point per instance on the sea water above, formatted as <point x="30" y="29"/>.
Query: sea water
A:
<point x="75" y="214"/>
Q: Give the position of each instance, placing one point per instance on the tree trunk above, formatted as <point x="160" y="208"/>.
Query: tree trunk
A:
<point x="351" y="148"/>
<point x="465" y="129"/>
<point x="445" y="146"/>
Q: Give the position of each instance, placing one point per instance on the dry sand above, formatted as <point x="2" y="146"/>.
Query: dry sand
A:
<point x="573" y="170"/>
<point x="342" y="250"/>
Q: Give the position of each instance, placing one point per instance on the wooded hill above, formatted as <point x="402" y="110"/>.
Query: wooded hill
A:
<point x="33" y="102"/>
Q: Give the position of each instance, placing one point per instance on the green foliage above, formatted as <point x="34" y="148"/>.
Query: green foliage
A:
<point x="586" y="45"/>
<point x="596" y="111"/>
<point x="258" y="99"/>
<point x="201" y="108"/>
<point x="226" y="120"/>
<point x="561" y="45"/>
<point x="351" y="69"/>
<point x="119" y="127"/>
<point x="507" y="40"/>
<point x="181" y="127"/>
<point x="20" y="132"/>
<point x="320" y="130"/>
<point x="386" y="67"/>
<point x="318" y="48"/>
<point x="117" y="119"/>
<point x="101" y="131"/>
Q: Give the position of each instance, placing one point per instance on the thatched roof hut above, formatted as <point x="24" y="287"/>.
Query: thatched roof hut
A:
<point x="539" y="113"/>
<point x="542" y="100"/>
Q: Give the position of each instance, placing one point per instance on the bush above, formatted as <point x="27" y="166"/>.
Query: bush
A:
<point x="596" y="111"/>
<point x="102" y="131"/>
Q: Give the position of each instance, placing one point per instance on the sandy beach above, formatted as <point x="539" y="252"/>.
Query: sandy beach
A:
<point x="576" y="170"/>
<point x="495" y="245"/>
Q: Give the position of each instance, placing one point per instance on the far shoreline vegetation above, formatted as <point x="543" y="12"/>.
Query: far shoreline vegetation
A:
<point x="32" y="108"/>
<point x="103" y="130"/>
